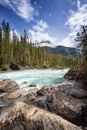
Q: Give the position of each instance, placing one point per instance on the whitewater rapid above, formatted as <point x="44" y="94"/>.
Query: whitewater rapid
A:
<point x="39" y="77"/>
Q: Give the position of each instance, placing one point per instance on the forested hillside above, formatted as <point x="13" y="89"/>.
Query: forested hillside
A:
<point x="65" y="51"/>
<point x="23" y="52"/>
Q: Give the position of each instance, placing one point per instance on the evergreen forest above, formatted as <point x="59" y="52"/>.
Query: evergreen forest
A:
<point x="23" y="52"/>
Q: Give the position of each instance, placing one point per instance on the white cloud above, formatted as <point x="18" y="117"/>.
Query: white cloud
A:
<point x="75" y="20"/>
<point x="78" y="18"/>
<point x="39" y="32"/>
<point x="40" y="26"/>
<point x="41" y="36"/>
<point x="22" y="8"/>
<point x="69" y="40"/>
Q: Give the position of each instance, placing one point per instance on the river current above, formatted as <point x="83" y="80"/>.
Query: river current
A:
<point x="39" y="77"/>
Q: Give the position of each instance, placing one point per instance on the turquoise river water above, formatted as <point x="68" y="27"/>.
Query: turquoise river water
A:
<point x="39" y="77"/>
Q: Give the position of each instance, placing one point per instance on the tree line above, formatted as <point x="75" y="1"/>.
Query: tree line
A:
<point x="23" y="52"/>
<point x="81" y="39"/>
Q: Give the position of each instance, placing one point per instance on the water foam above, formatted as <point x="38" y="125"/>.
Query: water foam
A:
<point x="38" y="77"/>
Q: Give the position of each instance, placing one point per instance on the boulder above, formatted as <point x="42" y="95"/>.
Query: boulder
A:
<point x="12" y="96"/>
<point x="74" y="89"/>
<point x="24" y="82"/>
<point x="74" y="74"/>
<point x="31" y="97"/>
<point x="28" y="117"/>
<point x="43" y="91"/>
<point x="32" y="85"/>
<point x="67" y="106"/>
<point x="15" y="66"/>
<point x="68" y="100"/>
<point x="40" y="102"/>
<point x="4" y="103"/>
<point x="5" y="68"/>
<point x="8" y="85"/>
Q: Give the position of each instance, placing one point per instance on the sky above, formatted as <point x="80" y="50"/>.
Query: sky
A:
<point x="55" y="20"/>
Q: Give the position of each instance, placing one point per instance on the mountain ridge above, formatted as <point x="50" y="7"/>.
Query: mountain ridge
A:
<point x="59" y="49"/>
<point x="65" y="51"/>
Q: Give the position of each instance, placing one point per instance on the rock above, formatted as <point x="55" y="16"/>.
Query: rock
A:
<point x="34" y="99"/>
<point x="40" y="102"/>
<point x="45" y="66"/>
<point x="28" y="117"/>
<point x="4" y="103"/>
<point x="32" y="85"/>
<point x="24" y="91"/>
<point x="32" y="94"/>
<point x="12" y="96"/>
<point x="67" y="100"/>
<point x="67" y="106"/>
<point x="74" y="74"/>
<point x="31" y="97"/>
<point x="24" y="82"/>
<point x="3" y="94"/>
<point x="42" y="91"/>
<point x="74" y="89"/>
<point x="5" y="68"/>
<point x="78" y="75"/>
<point x="15" y="66"/>
<point x="50" y="98"/>
<point x="27" y="67"/>
<point x="33" y="90"/>
<point x="8" y="85"/>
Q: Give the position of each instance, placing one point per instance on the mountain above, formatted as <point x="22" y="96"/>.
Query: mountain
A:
<point x="62" y="50"/>
<point x="46" y="43"/>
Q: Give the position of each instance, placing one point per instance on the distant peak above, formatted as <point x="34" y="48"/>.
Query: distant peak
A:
<point x="46" y="43"/>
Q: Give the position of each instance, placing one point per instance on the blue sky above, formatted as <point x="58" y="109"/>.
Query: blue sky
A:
<point x="54" y="20"/>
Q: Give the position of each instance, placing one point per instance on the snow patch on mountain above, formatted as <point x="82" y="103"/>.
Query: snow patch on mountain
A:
<point x="46" y="43"/>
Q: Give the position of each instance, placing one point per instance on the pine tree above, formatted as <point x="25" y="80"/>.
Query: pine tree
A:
<point x="5" y="43"/>
<point x="0" y="45"/>
<point x="81" y="38"/>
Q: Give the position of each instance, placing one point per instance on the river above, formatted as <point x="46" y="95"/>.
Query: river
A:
<point x="39" y="77"/>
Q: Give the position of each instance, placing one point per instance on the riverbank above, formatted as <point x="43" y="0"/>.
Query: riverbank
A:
<point x="21" y="116"/>
<point x="15" y="67"/>
<point x="78" y="75"/>
<point x="68" y="100"/>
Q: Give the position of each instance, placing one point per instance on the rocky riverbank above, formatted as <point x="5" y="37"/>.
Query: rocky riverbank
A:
<point x="76" y="74"/>
<point x="21" y="116"/>
<point x="67" y="100"/>
<point x="15" y="66"/>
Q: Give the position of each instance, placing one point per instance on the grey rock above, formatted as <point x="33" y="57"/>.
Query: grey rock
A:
<point x="68" y="101"/>
<point x="12" y="95"/>
<point x="28" y="117"/>
<point x="8" y="85"/>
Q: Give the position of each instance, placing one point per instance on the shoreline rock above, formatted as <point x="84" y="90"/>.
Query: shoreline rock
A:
<point x="74" y="74"/>
<point x="17" y="67"/>
<point x="66" y="103"/>
<point x="12" y="96"/>
<point x="8" y="85"/>
<point x="67" y="100"/>
<point x="21" y="116"/>
<point x="32" y="85"/>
